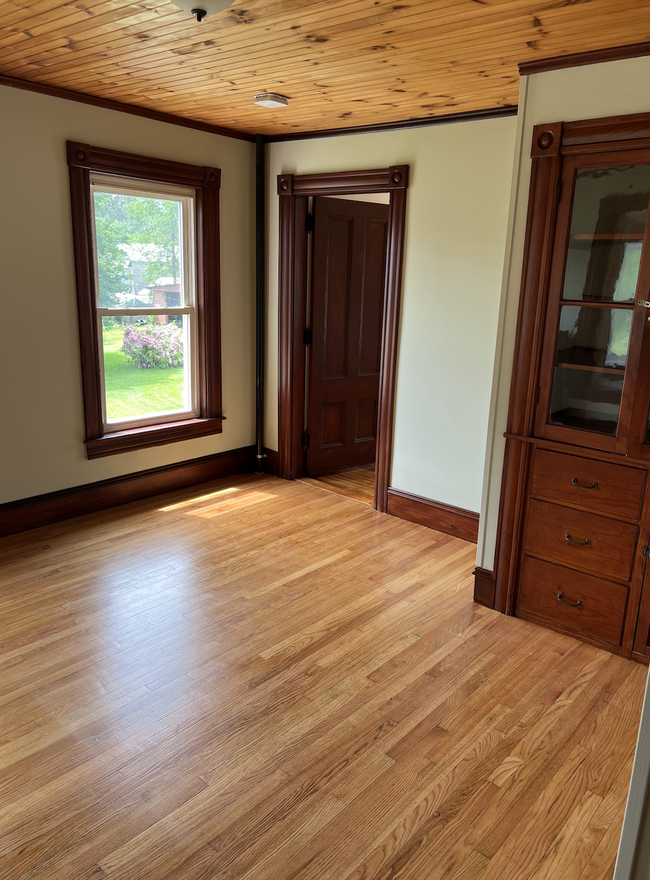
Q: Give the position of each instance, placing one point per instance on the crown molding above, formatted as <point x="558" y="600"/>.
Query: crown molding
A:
<point x="425" y="121"/>
<point x="596" y="56"/>
<point x="107" y="104"/>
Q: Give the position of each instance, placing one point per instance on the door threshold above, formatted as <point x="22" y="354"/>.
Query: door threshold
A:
<point x="357" y="484"/>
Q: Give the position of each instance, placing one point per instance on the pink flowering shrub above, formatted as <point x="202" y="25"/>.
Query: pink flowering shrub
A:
<point x="154" y="345"/>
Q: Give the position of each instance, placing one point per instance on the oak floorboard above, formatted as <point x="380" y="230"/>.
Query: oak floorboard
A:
<point x="250" y="680"/>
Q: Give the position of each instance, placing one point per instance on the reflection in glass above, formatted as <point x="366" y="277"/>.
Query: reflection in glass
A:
<point x="594" y="337"/>
<point x="586" y="399"/>
<point x="139" y="253"/>
<point x="145" y="361"/>
<point x="610" y="208"/>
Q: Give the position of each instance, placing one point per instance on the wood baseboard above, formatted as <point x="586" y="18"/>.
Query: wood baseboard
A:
<point x="43" y="510"/>
<point x="434" y="514"/>
<point x="484" y="587"/>
<point x="272" y="464"/>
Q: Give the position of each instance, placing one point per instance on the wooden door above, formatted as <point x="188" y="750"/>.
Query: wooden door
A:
<point x="349" y="259"/>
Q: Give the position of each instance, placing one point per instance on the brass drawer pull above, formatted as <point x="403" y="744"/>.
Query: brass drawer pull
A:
<point x="594" y="485"/>
<point x="570" y="604"/>
<point x="568" y="538"/>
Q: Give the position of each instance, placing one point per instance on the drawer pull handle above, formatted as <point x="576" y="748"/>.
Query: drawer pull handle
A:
<point x="570" y="604"/>
<point x="594" y="485"/>
<point x="584" y="543"/>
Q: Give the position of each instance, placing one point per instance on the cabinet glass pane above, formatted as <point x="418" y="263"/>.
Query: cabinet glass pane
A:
<point x="610" y="208"/>
<point x="587" y="399"/>
<point x="594" y="337"/>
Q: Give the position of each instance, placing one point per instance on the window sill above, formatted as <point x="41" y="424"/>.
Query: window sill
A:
<point x="152" y="435"/>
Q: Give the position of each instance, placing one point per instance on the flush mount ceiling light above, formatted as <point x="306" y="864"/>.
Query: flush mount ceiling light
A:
<point x="271" y="100"/>
<point x="201" y="8"/>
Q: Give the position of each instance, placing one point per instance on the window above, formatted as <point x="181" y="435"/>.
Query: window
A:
<point x="147" y="265"/>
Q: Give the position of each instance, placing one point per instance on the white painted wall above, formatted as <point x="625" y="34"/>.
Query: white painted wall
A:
<point x="41" y="430"/>
<point x="597" y="90"/>
<point x="457" y="207"/>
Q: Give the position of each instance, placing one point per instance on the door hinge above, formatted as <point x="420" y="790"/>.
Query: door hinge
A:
<point x="310" y="223"/>
<point x="646" y="552"/>
<point x="305" y="440"/>
<point x="559" y="190"/>
<point x="307" y="336"/>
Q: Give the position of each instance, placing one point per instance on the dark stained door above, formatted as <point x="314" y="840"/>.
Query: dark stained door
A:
<point x="349" y="257"/>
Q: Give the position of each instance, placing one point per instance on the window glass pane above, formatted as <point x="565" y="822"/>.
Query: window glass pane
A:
<point x="610" y="207"/>
<point x="587" y="399"/>
<point x="594" y="337"/>
<point x="146" y="366"/>
<point x="139" y="251"/>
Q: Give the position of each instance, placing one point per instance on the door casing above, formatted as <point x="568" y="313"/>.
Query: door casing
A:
<point x="294" y="191"/>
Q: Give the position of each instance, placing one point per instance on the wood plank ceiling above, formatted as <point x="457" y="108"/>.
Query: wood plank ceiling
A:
<point x="341" y="62"/>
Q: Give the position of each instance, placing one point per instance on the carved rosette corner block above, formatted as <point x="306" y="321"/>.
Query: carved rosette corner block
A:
<point x="398" y="176"/>
<point x="285" y="184"/>
<point x="547" y="140"/>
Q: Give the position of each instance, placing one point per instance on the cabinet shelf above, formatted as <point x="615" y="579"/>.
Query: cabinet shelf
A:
<point x="614" y="371"/>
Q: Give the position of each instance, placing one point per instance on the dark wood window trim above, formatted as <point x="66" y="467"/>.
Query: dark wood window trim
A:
<point x="294" y="191"/>
<point x="82" y="160"/>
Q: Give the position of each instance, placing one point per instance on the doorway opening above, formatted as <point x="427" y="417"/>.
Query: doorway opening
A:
<point x="341" y="245"/>
<point x="346" y="276"/>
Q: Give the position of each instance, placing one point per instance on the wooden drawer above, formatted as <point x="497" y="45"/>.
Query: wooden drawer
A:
<point x="552" y="529"/>
<point x="599" y="616"/>
<point x="618" y="490"/>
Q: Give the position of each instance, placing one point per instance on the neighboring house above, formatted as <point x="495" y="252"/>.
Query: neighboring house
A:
<point x="165" y="295"/>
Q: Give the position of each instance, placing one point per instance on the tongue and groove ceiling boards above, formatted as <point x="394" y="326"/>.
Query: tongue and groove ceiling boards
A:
<point x="342" y="63"/>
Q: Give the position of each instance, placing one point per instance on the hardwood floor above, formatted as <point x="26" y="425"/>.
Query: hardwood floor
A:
<point x="255" y="680"/>
<point x="358" y="484"/>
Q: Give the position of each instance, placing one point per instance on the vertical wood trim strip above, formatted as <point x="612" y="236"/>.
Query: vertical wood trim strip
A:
<point x="82" y="236"/>
<point x="388" y="370"/>
<point x="540" y="224"/>
<point x="285" y="352"/>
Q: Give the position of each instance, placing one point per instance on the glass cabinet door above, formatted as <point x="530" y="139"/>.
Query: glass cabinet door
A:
<point x="591" y="312"/>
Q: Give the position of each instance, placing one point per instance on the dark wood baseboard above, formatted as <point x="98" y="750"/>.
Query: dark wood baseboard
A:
<point x="434" y="514"/>
<point x="43" y="510"/>
<point x="272" y="463"/>
<point x="484" y="587"/>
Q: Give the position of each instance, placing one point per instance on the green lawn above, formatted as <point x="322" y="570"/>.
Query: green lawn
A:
<point x="132" y="392"/>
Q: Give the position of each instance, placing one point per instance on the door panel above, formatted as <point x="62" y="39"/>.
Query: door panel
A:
<point x="349" y="257"/>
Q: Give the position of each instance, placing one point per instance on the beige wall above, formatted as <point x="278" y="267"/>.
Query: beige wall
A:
<point x="457" y="210"/>
<point x="593" y="91"/>
<point x="41" y="437"/>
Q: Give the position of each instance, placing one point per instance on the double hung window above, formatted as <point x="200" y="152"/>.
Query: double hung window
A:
<point x="146" y="248"/>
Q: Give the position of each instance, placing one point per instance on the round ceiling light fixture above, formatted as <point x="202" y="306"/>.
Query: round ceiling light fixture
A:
<point x="200" y="9"/>
<point x="271" y="100"/>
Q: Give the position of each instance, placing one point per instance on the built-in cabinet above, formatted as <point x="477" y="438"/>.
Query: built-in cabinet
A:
<point x="574" y="523"/>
